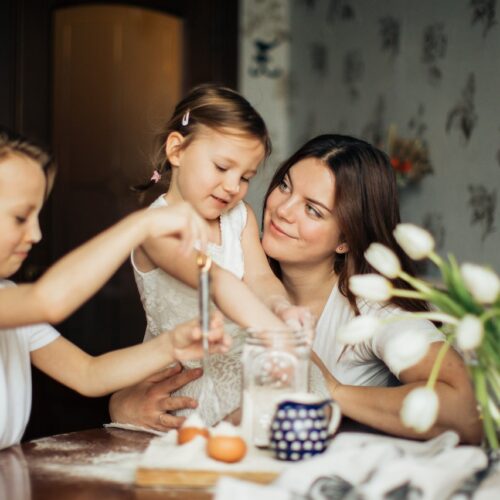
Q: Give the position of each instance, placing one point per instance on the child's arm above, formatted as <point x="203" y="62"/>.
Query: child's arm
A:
<point x="233" y="297"/>
<point x="100" y="375"/>
<point x="263" y="281"/>
<point x="78" y="275"/>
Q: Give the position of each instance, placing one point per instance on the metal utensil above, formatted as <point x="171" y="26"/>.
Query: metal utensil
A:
<point x="204" y="262"/>
<point x="208" y="394"/>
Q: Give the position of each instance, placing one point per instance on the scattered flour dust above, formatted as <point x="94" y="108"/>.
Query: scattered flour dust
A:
<point x="53" y="444"/>
<point x="113" y="466"/>
<point x="72" y="459"/>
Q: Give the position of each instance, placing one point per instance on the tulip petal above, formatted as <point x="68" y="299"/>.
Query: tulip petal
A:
<point x="415" y="241"/>
<point x="358" y="330"/>
<point x="383" y="259"/>
<point x="371" y="287"/>
<point x="469" y="333"/>
<point x="420" y="409"/>
<point x="482" y="283"/>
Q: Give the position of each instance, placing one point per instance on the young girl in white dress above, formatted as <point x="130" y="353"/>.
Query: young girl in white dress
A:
<point x="211" y="148"/>
<point x="26" y="175"/>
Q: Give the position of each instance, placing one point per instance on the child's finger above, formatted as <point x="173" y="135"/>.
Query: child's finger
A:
<point x="217" y="319"/>
<point x="196" y="333"/>
<point x="293" y="323"/>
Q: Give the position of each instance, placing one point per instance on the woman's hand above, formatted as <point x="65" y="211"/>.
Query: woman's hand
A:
<point x="148" y="403"/>
<point x="186" y="339"/>
<point x="179" y="220"/>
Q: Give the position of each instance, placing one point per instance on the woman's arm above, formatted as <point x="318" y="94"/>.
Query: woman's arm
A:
<point x="379" y="407"/>
<point x="233" y="297"/>
<point x="149" y="403"/>
<point x="100" y="375"/>
<point x="78" y="275"/>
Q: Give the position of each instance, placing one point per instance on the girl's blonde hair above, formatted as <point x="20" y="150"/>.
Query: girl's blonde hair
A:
<point x="12" y="143"/>
<point x="213" y="106"/>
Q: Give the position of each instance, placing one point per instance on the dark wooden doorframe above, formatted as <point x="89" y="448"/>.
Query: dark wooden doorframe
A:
<point x="211" y="43"/>
<point x="211" y="49"/>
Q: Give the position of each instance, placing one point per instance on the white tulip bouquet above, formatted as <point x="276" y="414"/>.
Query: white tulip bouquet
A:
<point x="467" y="306"/>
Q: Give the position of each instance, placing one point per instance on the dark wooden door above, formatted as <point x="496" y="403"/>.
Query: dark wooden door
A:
<point x="95" y="167"/>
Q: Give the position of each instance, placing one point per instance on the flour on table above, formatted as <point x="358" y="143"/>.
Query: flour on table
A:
<point x="113" y="466"/>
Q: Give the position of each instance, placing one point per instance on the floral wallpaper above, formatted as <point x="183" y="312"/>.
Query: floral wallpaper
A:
<point x="429" y="69"/>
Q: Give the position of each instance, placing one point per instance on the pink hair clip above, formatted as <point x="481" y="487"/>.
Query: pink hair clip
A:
<point x="185" y="118"/>
<point x="156" y="176"/>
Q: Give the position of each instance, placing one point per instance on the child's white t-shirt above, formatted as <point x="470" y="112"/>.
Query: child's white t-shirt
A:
<point x="368" y="363"/>
<point x="168" y="302"/>
<point x="15" y="375"/>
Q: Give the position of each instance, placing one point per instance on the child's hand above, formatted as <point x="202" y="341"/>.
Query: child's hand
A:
<point x="187" y="338"/>
<point x="180" y="220"/>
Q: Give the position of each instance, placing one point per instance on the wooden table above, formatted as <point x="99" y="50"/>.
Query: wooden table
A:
<point x="73" y="466"/>
<point x="76" y="466"/>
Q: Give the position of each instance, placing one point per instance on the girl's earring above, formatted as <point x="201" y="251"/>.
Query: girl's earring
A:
<point x="342" y="248"/>
<point x="185" y="118"/>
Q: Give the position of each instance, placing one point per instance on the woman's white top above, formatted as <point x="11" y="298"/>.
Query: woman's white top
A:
<point x="15" y="375"/>
<point x="368" y="363"/>
<point x="168" y="302"/>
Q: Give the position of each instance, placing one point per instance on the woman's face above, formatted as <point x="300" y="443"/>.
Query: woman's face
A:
<point x="300" y="226"/>
<point x="22" y="189"/>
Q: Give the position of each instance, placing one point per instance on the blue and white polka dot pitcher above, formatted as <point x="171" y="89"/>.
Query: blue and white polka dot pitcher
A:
<point x="301" y="426"/>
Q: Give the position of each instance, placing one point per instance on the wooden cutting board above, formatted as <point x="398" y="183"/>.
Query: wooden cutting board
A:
<point x="195" y="478"/>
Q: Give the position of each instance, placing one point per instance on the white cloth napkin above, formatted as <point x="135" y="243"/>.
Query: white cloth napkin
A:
<point x="164" y="453"/>
<point x="369" y="466"/>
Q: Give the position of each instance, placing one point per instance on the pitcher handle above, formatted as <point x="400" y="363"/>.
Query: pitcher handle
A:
<point x="335" y="417"/>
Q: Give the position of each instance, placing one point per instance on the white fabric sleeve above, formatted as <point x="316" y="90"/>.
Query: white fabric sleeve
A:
<point x="238" y="217"/>
<point x="417" y="326"/>
<point x="40" y="335"/>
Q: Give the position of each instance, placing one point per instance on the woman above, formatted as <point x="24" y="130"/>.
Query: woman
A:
<point x="324" y="207"/>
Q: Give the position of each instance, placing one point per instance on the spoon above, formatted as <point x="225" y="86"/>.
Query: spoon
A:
<point x="204" y="262"/>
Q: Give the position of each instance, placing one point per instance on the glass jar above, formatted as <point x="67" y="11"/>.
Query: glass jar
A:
<point x="275" y="364"/>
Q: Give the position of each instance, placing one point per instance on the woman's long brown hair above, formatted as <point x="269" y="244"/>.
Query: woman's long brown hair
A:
<point x="366" y="207"/>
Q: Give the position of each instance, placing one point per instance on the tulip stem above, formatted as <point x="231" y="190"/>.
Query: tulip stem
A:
<point x="437" y="363"/>
<point x="411" y="294"/>
<point x="431" y="316"/>
<point x="436" y="259"/>
<point x="482" y="399"/>
<point x="415" y="282"/>
<point x="489" y="314"/>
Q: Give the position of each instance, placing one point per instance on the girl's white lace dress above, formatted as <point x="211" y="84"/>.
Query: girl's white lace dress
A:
<point x="168" y="302"/>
